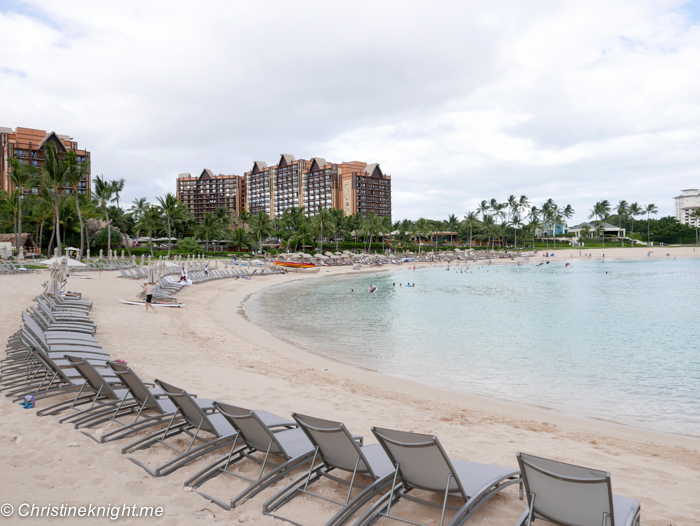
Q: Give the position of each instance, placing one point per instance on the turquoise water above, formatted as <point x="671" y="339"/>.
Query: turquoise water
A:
<point x="618" y="340"/>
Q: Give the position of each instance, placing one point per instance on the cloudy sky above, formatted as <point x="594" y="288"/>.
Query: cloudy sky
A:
<point x="458" y="101"/>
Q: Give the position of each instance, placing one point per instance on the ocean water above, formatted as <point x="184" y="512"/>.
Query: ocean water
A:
<point x="618" y="340"/>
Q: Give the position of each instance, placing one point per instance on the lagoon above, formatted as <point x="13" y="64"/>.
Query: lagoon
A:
<point x="616" y="340"/>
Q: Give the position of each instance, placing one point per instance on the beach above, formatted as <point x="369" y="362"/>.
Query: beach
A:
<point x="209" y="348"/>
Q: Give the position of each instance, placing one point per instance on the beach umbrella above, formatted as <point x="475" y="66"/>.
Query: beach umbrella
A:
<point x="328" y="253"/>
<point x="88" y="253"/>
<point x="133" y="260"/>
<point x="64" y="269"/>
<point x="20" y="254"/>
<point x="55" y="252"/>
<point x="57" y="261"/>
<point x="149" y="260"/>
<point x="216" y="265"/>
<point x="122" y="255"/>
<point x="143" y="257"/>
<point x="338" y="254"/>
<point x="101" y="254"/>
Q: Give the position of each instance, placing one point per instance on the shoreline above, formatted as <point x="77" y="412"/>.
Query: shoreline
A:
<point x="209" y="349"/>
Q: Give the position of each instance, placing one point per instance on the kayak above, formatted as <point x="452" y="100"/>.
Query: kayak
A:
<point x="294" y="264"/>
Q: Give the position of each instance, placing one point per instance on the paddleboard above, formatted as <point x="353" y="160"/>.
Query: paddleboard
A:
<point x="143" y="304"/>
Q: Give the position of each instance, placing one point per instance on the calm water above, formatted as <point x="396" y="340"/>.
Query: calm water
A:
<point x="617" y="340"/>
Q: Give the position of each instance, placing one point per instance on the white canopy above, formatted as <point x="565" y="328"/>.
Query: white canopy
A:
<point x="70" y="262"/>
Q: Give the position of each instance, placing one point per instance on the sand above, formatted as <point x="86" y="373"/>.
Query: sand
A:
<point x="210" y="349"/>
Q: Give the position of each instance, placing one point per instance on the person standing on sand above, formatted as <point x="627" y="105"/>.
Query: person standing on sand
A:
<point x="148" y="291"/>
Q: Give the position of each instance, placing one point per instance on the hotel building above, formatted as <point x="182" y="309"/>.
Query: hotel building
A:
<point x="686" y="204"/>
<point x="205" y="193"/>
<point x="29" y="146"/>
<point x="354" y="187"/>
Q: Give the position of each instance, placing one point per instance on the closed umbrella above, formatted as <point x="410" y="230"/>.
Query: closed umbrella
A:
<point x="88" y="253"/>
<point x="143" y="259"/>
<point x="133" y="260"/>
<point x="152" y="276"/>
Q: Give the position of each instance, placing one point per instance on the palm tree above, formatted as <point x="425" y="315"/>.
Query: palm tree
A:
<point x="322" y="221"/>
<point x="244" y="217"/>
<point x="622" y="211"/>
<point x="76" y="175"/>
<point x="633" y="211"/>
<point x="104" y="192"/>
<point x="516" y="223"/>
<point x="118" y="185"/>
<point x="208" y="226"/>
<point x="239" y="238"/>
<point x="452" y="224"/>
<point x="535" y="223"/>
<point x="168" y="205"/>
<point x="470" y="221"/>
<point x="151" y="221"/>
<point x="337" y="225"/>
<point x="489" y="228"/>
<point x="483" y="208"/>
<point x="372" y="226"/>
<point x="55" y="172"/>
<point x="650" y="209"/>
<point x="302" y="236"/>
<point x="138" y="208"/>
<point x="601" y="211"/>
<point x="421" y="229"/>
<point x="260" y="226"/>
<point x="22" y="177"/>
<point x="695" y="214"/>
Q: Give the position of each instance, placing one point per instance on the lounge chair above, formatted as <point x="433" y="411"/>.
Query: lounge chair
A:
<point x="422" y="463"/>
<point x="151" y="408"/>
<point x="570" y="495"/>
<point x="195" y="420"/>
<point x="339" y="450"/>
<point x="258" y="436"/>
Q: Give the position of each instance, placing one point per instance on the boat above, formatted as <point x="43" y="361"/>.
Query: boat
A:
<point x="294" y="264"/>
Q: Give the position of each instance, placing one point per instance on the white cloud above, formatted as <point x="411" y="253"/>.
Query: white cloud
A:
<point x="459" y="101"/>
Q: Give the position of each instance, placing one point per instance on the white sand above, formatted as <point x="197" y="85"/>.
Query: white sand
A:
<point x="208" y="348"/>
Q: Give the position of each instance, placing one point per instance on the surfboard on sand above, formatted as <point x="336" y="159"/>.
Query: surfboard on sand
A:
<point x="142" y="303"/>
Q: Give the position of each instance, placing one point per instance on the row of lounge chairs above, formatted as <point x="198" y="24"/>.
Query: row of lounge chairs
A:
<point x="15" y="268"/>
<point x="55" y="353"/>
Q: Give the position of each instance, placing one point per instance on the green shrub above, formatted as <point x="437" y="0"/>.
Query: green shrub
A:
<point x="189" y="245"/>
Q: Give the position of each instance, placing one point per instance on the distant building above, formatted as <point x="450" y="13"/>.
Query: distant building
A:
<point x="354" y="187"/>
<point x="29" y="146"/>
<point x="686" y="204"/>
<point x="610" y="230"/>
<point x="551" y="230"/>
<point x="205" y="193"/>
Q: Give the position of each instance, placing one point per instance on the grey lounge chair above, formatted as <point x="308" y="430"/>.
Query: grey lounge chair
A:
<point x="570" y="495"/>
<point x="338" y="450"/>
<point x="258" y="436"/>
<point x="422" y="463"/>
<point x="195" y="418"/>
<point x="106" y="393"/>
<point x="151" y="408"/>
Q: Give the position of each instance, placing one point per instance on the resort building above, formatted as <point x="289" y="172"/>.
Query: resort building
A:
<point x="354" y="187"/>
<point x="205" y="193"/>
<point x="686" y="204"/>
<point x="549" y="229"/>
<point x="29" y="146"/>
<point x="593" y="231"/>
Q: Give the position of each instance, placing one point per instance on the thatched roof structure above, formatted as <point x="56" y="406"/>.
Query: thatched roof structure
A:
<point x="27" y="240"/>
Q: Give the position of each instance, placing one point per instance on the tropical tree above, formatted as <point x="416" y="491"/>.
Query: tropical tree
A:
<point x="104" y="193"/>
<point x="22" y="177"/>
<point x="601" y="212"/>
<point x="421" y="229"/>
<point x="452" y="224"/>
<point x="208" y="227"/>
<point x="168" y="205"/>
<point x="337" y="225"/>
<point x="151" y="221"/>
<point x="470" y="221"/>
<point x="55" y="171"/>
<point x="239" y="238"/>
<point x="622" y="211"/>
<point x="489" y="228"/>
<point x="260" y="226"/>
<point x="516" y="222"/>
<point x="633" y="211"/>
<point x="76" y="175"/>
<point x="322" y="222"/>
<point x="483" y="208"/>
<point x="650" y="209"/>
<point x="118" y="185"/>
<point x="302" y="236"/>
<point x="695" y="215"/>
<point x="372" y="226"/>
<point x="138" y="208"/>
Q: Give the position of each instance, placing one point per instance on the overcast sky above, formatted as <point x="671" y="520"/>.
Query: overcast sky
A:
<point x="458" y="101"/>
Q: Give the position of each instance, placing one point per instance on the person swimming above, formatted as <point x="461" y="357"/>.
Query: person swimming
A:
<point x="372" y="289"/>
